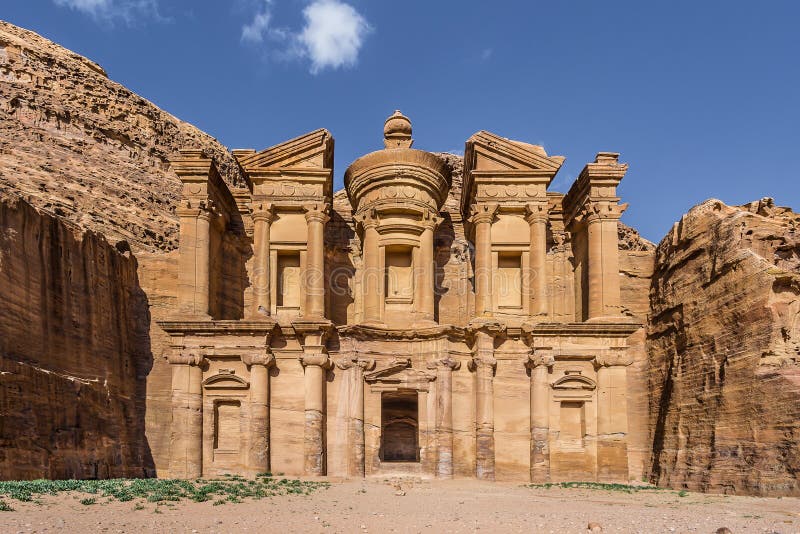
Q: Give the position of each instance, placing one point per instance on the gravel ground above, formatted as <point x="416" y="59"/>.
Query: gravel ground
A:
<point x="418" y="506"/>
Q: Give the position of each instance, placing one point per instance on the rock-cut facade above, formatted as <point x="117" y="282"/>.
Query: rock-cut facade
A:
<point x="423" y="322"/>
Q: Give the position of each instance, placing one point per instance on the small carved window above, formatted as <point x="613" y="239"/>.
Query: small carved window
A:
<point x="399" y="283"/>
<point x="509" y="280"/>
<point x="288" y="291"/>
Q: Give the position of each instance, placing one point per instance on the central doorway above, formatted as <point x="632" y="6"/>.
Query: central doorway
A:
<point x="399" y="426"/>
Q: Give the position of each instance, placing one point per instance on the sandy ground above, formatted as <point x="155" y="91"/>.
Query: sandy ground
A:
<point x="427" y="506"/>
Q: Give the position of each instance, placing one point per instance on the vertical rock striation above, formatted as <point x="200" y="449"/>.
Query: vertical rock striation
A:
<point x="724" y="347"/>
<point x="74" y="352"/>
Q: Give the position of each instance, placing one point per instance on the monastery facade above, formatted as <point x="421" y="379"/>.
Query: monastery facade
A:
<point x="413" y="325"/>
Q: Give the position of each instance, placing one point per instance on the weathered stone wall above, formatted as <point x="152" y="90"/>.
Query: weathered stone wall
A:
<point x="74" y="352"/>
<point x="724" y="347"/>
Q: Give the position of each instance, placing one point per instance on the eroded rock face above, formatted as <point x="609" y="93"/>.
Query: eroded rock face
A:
<point x="724" y="347"/>
<point x="87" y="149"/>
<point x="74" y="352"/>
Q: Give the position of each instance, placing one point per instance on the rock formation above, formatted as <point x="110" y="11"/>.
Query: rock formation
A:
<point x="724" y="347"/>
<point x="74" y="352"/>
<point x="86" y="148"/>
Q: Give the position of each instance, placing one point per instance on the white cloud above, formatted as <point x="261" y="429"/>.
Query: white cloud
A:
<point x="255" y="31"/>
<point x="486" y="53"/>
<point x="108" y="10"/>
<point x="333" y="34"/>
<point x="331" y="37"/>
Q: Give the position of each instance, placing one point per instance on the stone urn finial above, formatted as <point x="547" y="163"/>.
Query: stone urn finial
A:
<point x="397" y="131"/>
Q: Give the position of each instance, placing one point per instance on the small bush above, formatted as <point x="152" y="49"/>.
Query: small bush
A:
<point x="88" y="501"/>
<point x="5" y="507"/>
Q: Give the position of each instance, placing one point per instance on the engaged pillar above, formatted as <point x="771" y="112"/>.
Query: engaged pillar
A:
<point x="315" y="261"/>
<point x="258" y="451"/>
<point x="186" y="440"/>
<point x="355" y="413"/>
<point x="444" y="415"/>
<point x="484" y="363"/>
<point x="482" y="217"/>
<point x="612" y="416"/>
<point x="426" y="270"/>
<point x="312" y="335"/>
<point x="536" y="215"/>
<point x="372" y="272"/>
<point x="262" y="217"/>
<point x="540" y="363"/>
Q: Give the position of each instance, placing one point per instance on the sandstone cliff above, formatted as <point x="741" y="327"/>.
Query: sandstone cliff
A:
<point x="87" y="149"/>
<point x="74" y="352"/>
<point x="724" y="347"/>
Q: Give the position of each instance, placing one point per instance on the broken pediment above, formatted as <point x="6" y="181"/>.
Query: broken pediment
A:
<point x="313" y="150"/>
<point x="486" y="151"/>
<point x="399" y="374"/>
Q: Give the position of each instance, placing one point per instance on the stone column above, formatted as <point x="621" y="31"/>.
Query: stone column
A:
<point x="186" y="439"/>
<point x="540" y="363"/>
<point x="482" y="217"/>
<point x="426" y="270"/>
<point x="262" y="217"/>
<point x="373" y="275"/>
<point x="194" y="260"/>
<point x="315" y="361"/>
<point x="612" y="416"/>
<point x="316" y="218"/>
<point x="603" y="244"/>
<point x="258" y="451"/>
<point x="484" y="363"/>
<point x="355" y="413"/>
<point x="536" y="215"/>
<point x="444" y="415"/>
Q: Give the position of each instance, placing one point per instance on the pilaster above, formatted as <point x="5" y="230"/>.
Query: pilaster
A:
<point x="444" y="414"/>
<point x="540" y="363"/>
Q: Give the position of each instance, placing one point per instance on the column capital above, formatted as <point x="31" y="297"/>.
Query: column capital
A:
<point x="431" y="220"/>
<point x="352" y="362"/>
<point x="267" y="359"/>
<point x="263" y="212"/>
<point x="491" y="327"/>
<point x="368" y="219"/>
<point x="541" y="357"/>
<point x="444" y="363"/>
<point x="483" y="361"/>
<point x="537" y="212"/>
<point x="319" y="359"/>
<point x="602" y="210"/>
<point x="186" y="211"/>
<point x="186" y="358"/>
<point x="612" y="358"/>
<point x="316" y="212"/>
<point x="483" y="213"/>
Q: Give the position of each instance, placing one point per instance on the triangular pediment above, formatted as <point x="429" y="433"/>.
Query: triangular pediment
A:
<point x="486" y="151"/>
<point x="313" y="150"/>
<point x="399" y="372"/>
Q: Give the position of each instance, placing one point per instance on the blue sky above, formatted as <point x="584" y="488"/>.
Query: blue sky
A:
<point x="702" y="98"/>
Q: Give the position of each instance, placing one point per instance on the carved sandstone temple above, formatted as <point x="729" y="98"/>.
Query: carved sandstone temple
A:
<point x="414" y="326"/>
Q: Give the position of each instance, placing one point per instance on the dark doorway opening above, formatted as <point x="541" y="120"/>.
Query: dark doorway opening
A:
<point x="399" y="426"/>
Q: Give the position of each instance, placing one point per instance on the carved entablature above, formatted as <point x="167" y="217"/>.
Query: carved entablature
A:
<point x="291" y="173"/>
<point x="507" y="172"/>
<point x="594" y="193"/>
